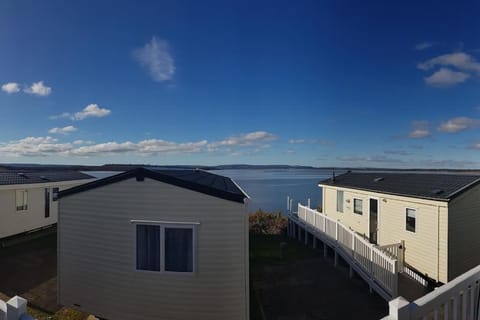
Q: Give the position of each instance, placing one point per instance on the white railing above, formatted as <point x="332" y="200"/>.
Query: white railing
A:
<point x="14" y="309"/>
<point x="381" y="268"/>
<point x="458" y="299"/>
<point x="396" y="251"/>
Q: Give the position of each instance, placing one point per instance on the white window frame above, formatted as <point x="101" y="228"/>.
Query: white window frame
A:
<point x="163" y="225"/>
<point x="343" y="201"/>
<point x="353" y="206"/>
<point x="406" y="215"/>
<point x="24" y="206"/>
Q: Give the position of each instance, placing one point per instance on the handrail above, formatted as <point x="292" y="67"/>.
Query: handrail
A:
<point x="379" y="265"/>
<point x="457" y="299"/>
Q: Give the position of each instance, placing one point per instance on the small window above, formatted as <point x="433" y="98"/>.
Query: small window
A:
<point x="165" y="247"/>
<point x="47" y="202"/>
<point x="179" y="249"/>
<point x="148" y="247"/>
<point x="358" y="206"/>
<point x="21" y="199"/>
<point x="339" y="201"/>
<point x="411" y="220"/>
<point x="55" y="192"/>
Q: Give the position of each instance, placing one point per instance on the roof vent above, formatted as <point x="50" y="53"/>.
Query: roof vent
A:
<point x="21" y="174"/>
<point x="437" y="191"/>
<point x="378" y="179"/>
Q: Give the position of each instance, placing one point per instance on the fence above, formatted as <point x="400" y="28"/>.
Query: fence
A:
<point x="14" y="309"/>
<point x="458" y="299"/>
<point x="378" y="266"/>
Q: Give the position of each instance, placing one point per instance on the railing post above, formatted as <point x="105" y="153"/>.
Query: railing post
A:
<point x="336" y="231"/>
<point x="401" y="255"/>
<point x="16" y="308"/>
<point x="398" y="309"/>
<point x="395" y="279"/>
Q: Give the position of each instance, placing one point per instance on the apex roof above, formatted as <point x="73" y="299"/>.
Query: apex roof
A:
<point x="31" y="177"/>
<point x="434" y="186"/>
<point x="196" y="180"/>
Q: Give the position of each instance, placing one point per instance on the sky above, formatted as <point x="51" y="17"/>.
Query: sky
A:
<point x="322" y="83"/>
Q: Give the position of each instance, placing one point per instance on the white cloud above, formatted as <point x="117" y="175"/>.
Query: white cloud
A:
<point x="60" y="116"/>
<point x="64" y="130"/>
<point x="455" y="68"/>
<point x="460" y="60"/>
<point x="34" y="147"/>
<point x="458" y="124"/>
<point x="47" y="146"/>
<point x="423" y="45"/>
<point x="92" y="110"/>
<point x="39" y="89"/>
<point x="255" y="138"/>
<point x="11" y="87"/>
<point x="446" y="77"/>
<point x="420" y="129"/>
<point x="156" y="58"/>
<point x="296" y="141"/>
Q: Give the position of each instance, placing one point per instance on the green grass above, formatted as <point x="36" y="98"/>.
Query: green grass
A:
<point x="277" y="248"/>
<point x="271" y="249"/>
<point x="63" y="314"/>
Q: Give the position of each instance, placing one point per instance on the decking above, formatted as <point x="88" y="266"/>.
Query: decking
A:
<point x="380" y="267"/>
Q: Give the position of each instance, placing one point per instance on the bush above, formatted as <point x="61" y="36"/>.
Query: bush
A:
<point x="267" y="223"/>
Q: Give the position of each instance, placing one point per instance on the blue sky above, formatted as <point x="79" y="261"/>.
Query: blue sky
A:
<point x="322" y="83"/>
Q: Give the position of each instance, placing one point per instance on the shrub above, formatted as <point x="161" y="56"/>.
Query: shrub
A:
<point x="262" y="222"/>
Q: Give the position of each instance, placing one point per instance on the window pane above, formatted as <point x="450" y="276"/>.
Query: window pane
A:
<point x="340" y="201"/>
<point x="179" y="249"/>
<point x="55" y="194"/>
<point x="148" y="247"/>
<point x="411" y="220"/>
<point x="357" y="206"/>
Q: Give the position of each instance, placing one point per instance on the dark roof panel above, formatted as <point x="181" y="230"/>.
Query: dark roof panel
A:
<point x="196" y="180"/>
<point x="17" y="177"/>
<point x="436" y="186"/>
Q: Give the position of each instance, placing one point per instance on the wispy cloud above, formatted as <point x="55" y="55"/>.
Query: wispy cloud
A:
<point x="256" y="138"/>
<point x="460" y="60"/>
<point x="313" y="141"/>
<point x="64" y="130"/>
<point x="424" y="45"/>
<point x="420" y="129"/>
<point x="376" y="159"/>
<point x="455" y="68"/>
<point x="11" y="87"/>
<point x="38" y="89"/>
<point x="446" y="78"/>
<point x="397" y="152"/>
<point x="249" y="143"/>
<point x="296" y="141"/>
<point x="155" y="56"/>
<point x="90" y="111"/>
<point x="458" y="124"/>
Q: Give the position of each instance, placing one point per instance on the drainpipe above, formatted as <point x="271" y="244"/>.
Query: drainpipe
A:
<point x="438" y="244"/>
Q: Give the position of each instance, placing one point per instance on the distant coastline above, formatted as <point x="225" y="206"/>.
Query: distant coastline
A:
<point x="125" y="167"/>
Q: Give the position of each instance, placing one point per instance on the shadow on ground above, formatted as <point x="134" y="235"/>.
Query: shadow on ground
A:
<point x="29" y="269"/>
<point x="291" y="281"/>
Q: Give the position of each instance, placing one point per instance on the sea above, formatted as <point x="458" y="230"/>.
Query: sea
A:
<point x="269" y="188"/>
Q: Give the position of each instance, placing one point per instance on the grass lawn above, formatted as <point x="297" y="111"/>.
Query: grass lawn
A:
<point x="268" y="250"/>
<point x="276" y="249"/>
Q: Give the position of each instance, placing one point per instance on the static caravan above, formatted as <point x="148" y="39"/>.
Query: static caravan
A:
<point x="436" y="215"/>
<point x="155" y="244"/>
<point x="28" y="200"/>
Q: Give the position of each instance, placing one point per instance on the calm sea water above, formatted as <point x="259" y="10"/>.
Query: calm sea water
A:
<point x="269" y="188"/>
